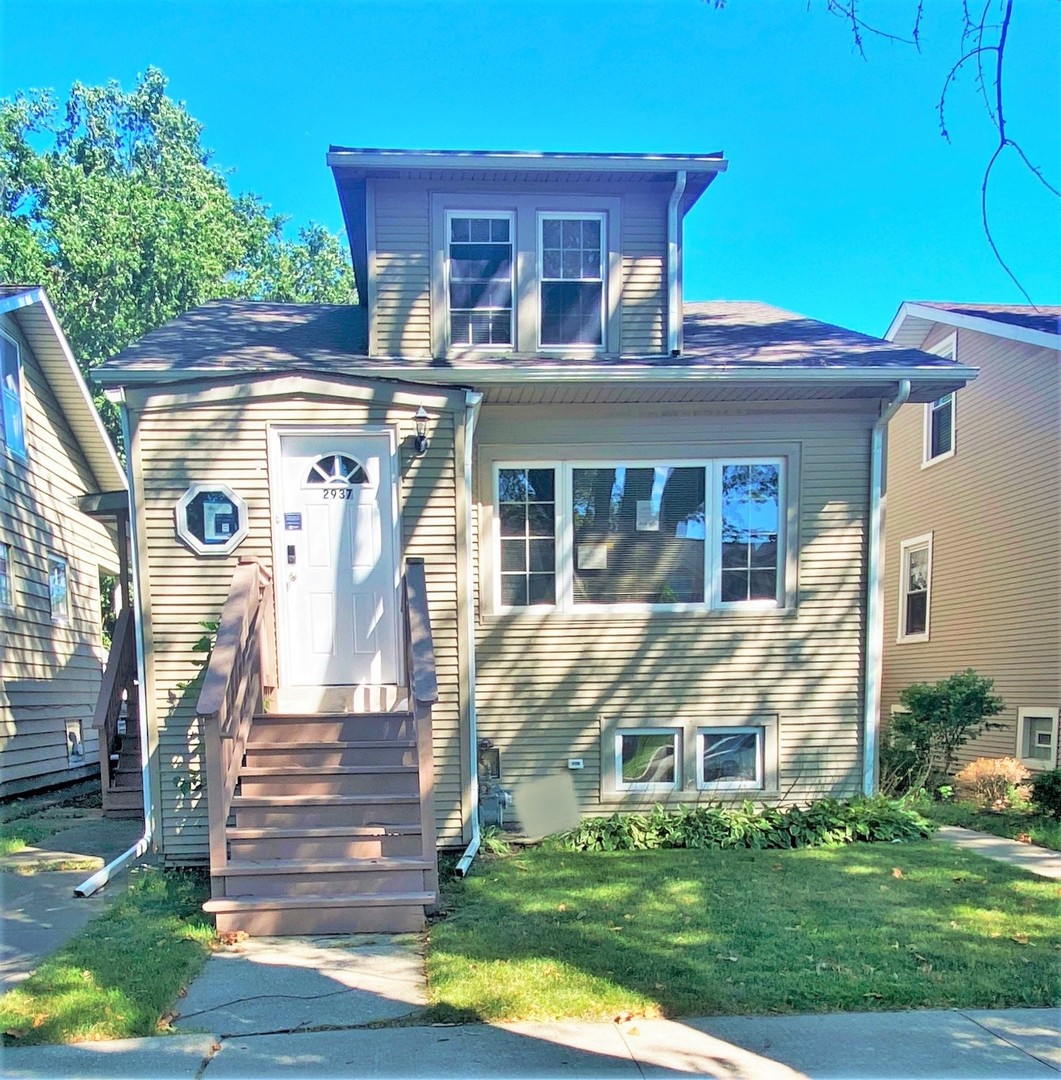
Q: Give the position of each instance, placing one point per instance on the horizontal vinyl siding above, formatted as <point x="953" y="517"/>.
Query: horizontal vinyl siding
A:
<point x="644" y="283"/>
<point x="181" y="446"/>
<point x="993" y="510"/>
<point x="402" y="267"/>
<point x="548" y="684"/>
<point x="49" y="672"/>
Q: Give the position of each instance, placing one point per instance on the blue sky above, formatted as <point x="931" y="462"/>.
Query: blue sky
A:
<point x="841" y="199"/>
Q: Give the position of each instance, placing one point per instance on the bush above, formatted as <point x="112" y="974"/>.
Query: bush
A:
<point x="1046" y="793"/>
<point x="994" y="783"/>
<point x="939" y="720"/>
<point x="825" y="822"/>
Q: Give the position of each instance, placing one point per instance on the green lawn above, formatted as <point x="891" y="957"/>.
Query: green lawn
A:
<point x="546" y="934"/>
<point x="1014" y="824"/>
<point x="115" y="978"/>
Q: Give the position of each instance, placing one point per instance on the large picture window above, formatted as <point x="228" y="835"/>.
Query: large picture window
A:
<point x="571" y="260"/>
<point x="12" y="431"/>
<point x="480" y="279"/>
<point x="646" y="534"/>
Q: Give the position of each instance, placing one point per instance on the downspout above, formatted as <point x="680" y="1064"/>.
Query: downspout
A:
<point x="472" y="402"/>
<point x="674" y="312"/>
<point x="101" y="877"/>
<point x="874" y="595"/>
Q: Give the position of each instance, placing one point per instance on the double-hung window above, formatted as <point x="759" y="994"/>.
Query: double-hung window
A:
<point x="12" y="431"/>
<point x="571" y="254"/>
<point x="660" y="534"/>
<point x="939" y="429"/>
<point x="481" y="284"/>
<point x="915" y="583"/>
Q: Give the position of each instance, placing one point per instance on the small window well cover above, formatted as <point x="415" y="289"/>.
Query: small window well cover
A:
<point x="211" y="519"/>
<point x="336" y="470"/>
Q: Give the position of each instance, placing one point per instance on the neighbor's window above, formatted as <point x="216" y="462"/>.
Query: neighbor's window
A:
<point x="1037" y="737"/>
<point x="915" y="582"/>
<point x="12" y="430"/>
<point x="638" y="534"/>
<point x="571" y="279"/>
<point x="527" y="524"/>
<point x="58" y="589"/>
<point x="480" y="279"/>
<point x="939" y="429"/>
<point x="646" y="759"/>
<point x="750" y="517"/>
<point x="730" y="757"/>
<point x="7" y="589"/>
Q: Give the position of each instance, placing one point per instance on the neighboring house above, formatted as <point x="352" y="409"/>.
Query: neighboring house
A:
<point x="54" y="454"/>
<point x="973" y="565"/>
<point x="645" y="532"/>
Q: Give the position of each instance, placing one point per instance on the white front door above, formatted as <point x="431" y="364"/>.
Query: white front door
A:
<point x="336" y="561"/>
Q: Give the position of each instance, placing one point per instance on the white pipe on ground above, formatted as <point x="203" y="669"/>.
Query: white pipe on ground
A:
<point x="115" y="866"/>
<point x="874" y="595"/>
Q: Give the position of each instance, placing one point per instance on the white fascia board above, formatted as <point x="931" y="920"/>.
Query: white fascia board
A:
<point x="471" y="160"/>
<point x="96" y="430"/>
<point x="568" y="373"/>
<point x="963" y="321"/>
<point x="32" y="295"/>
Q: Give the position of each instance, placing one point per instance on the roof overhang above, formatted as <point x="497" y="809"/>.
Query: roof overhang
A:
<point x="36" y="319"/>
<point x="913" y="322"/>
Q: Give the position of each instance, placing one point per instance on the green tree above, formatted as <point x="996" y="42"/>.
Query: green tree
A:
<point x="114" y="205"/>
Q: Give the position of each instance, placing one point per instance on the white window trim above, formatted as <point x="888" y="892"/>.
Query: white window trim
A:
<point x="9" y="560"/>
<point x="525" y="208"/>
<point x="23" y="454"/>
<point x="948" y="348"/>
<point x="758" y="784"/>
<point x="572" y="215"/>
<point x="905" y="547"/>
<point x="564" y="537"/>
<point x="1026" y="713"/>
<point x="617" y="760"/>
<point x="59" y="618"/>
<point x="501" y="215"/>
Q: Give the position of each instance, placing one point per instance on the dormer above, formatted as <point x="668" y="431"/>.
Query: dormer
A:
<point x="461" y="255"/>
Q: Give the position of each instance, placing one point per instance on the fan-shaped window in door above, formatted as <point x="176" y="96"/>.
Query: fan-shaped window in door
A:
<point x="336" y="470"/>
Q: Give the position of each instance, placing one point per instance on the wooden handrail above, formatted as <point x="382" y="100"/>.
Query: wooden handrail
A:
<point x="241" y="672"/>
<point x="423" y="693"/>
<point x="118" y="679"/>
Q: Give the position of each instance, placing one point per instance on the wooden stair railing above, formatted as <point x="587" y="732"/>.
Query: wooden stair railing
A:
<point x="119" y="682"/>
<point x="423" y="693"/>
<point x="241" y="673"/>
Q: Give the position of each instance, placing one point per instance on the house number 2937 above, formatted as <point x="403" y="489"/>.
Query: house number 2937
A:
<point x="337" y="493"/>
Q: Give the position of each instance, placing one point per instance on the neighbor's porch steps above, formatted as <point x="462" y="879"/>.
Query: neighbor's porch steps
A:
<point x="325" y="834"/>
<point x="124" y="795"/>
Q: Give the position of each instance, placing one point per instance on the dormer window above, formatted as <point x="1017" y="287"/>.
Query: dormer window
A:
<point x="571" y="280"/>
<point x="480" y="279"/>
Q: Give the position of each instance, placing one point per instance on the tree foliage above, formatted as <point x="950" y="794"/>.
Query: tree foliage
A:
<point x="113" y="204"/>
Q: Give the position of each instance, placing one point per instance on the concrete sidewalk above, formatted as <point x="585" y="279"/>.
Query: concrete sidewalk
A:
<point x="999" y="1044"/>
<point x="1030" y="857"/>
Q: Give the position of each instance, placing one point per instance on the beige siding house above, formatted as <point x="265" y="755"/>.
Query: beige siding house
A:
<point x="973" y="564"/>
<point x="54" y="453"/>
<point x="522" y="516"/>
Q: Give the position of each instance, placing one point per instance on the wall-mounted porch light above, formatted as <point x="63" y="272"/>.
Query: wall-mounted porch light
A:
<point x="421" y="443"/>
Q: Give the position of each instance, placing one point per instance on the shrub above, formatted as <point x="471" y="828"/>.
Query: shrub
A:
<point x="825" y="822"/>
<point x="939" y="720"/>
<point x="992" y="782"/>
<point x="1046" y="793"/>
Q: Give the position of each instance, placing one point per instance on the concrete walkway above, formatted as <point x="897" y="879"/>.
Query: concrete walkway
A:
<point x="874" y="1046"/>
<point x="1030" y="857"/>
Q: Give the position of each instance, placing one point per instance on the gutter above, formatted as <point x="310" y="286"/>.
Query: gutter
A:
<point x="115" y="866"/>
<point x="674" y="307"/>
<point x="472" y="402"/>
<point x="874" y="595"/>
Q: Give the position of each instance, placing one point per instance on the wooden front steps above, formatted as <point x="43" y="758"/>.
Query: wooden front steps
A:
<point x="325" y="832"/>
